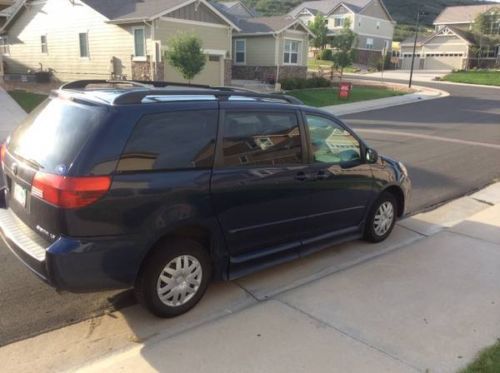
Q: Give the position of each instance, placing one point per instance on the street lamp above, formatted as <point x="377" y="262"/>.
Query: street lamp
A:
<point x="419" y="13"/>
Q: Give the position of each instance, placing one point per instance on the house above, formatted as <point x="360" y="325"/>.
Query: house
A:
<point x="268" y="48"/>
<point x="95" y="39"/>
<point x="237" y="9"/>
<point x="369" y="19"/>
<point x="453" y="45"/>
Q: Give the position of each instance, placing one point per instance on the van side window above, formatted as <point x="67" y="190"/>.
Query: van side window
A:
<point x="330" y="142"/>
<point x="173" y="140"/>
<point x="261" y="139"/>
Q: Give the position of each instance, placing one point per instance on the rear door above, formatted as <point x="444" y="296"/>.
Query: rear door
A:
<point x="342" y="182"/>
<point x="48" y="141"/>
<point x="257" y="184"/>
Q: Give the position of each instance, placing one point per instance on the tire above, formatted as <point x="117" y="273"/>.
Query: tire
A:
<point x="376" y="230"/>
<point x="185" y="269"/>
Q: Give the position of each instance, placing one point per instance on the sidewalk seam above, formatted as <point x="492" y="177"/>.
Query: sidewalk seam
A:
<point x="362" y="341"/>
<point x="449" y="230"/>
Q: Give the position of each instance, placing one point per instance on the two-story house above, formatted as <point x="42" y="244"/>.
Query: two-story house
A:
<point x="452" y="45"/>
<point x="369" y="19"/>
<point x="102" y="39"/>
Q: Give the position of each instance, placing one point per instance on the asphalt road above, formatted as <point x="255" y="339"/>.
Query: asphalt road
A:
<point x="451" y="147"/>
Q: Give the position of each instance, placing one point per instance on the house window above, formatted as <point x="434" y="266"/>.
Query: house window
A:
<point x="338" y="21"/>
<point x="43" y="42"/>
<point x="378" y="25"/>
<point x="4" y="45"/>
<point x="369" y="43"/>
<point x="240" y="47"/>
<point x="139" y="42"/>
<point x="84" y="44"/>
<point x="291" y="55"/>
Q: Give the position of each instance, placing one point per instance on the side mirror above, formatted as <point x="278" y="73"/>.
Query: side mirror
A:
<point x="371" y="156"/>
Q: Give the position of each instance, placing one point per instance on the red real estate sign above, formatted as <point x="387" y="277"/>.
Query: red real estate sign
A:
<point x="345" y="90"/>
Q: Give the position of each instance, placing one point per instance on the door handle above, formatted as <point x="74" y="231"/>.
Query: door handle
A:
<point x="301" y="176"/>
<point x="322" y="175"/>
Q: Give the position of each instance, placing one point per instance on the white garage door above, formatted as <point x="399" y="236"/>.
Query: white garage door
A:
<point x="406" y="62"/>
<point x="444" y="61"/>
<point x="212" y="73"/>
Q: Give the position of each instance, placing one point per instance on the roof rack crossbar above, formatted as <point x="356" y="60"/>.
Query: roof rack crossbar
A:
<point x="136" y="97"/>
<point x="82" y="84"/>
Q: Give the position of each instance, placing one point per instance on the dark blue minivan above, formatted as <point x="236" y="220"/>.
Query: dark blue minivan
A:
<point x="163" y="188"/>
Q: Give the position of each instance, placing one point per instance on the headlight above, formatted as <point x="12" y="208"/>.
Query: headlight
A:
<point x="403" y="169"/>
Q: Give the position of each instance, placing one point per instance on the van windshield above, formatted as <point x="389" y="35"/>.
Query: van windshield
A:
<point x="53" y="134"/>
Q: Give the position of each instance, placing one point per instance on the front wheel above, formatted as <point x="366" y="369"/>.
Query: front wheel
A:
<point x="381" y="219"/>
<point x="174" y="278"/>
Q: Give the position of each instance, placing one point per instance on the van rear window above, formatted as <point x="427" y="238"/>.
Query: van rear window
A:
<point x="52" y="135"/>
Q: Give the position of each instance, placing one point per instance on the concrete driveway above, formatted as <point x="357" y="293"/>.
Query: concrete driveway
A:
<point x="12" y="114"/>
<point x="418" y="75"/>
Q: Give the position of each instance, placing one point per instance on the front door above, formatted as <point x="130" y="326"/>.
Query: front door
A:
<point x="342" y="182"/>
<point x="258" y="184"/>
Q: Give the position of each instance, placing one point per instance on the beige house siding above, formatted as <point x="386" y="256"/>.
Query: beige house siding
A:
<point x="368" y="26"/>
<point x="260" y="50"/>
<point x="216" y="38"/>
<point x="376" y="10"/>
<point x="61" y="22"/>
<point x="199" y="13"/>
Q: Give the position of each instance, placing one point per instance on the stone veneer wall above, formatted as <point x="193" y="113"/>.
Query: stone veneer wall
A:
<point x="367" y="57"/>
<point x="228" y="71"/>
<point x="268" y="73"/>
<point x="141" y="70"/>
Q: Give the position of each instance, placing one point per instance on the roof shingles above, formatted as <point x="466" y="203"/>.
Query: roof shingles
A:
<point x="462" y="14"/>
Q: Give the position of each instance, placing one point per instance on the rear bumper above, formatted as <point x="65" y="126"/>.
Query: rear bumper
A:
<point x="78" y="265"/>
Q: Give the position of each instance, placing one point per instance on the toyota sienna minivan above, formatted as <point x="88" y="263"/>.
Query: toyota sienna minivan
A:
<point x="163" y="188"/>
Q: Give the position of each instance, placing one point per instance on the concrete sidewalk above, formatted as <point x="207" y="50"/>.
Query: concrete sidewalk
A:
<point x="11" y="114"/>
<point x="427" y="299"/>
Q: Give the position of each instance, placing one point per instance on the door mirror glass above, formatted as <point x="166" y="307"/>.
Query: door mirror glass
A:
<point x="371" y="156"/>
<point x="330" y="142"/>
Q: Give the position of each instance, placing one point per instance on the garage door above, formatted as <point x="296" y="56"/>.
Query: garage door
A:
<point x="444" y="61"/>
<point x="406" y="62"/>
<point x="211" y="74"/>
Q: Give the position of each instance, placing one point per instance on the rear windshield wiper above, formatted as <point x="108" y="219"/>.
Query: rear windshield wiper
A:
<point x="33" y="163"/>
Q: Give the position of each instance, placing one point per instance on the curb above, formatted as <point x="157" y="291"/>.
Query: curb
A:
<point x="422" y="94"/>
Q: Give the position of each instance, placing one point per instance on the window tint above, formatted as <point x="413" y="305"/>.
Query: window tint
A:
<point x="330" y="142"/>
<point x="54" y="133"/>
<point x="184" y="139"/>
<point x="261" y="139"/>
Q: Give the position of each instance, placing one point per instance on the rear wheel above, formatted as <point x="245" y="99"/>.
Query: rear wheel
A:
<point x="381" y="219"/>
<point x="174" y="278"/>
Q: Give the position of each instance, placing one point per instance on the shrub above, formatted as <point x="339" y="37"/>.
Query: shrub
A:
<point x="326" y="55"/>
<point x="290" y="84"/>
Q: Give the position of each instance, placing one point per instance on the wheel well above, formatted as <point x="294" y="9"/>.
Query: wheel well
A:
<point x="193" y="232"/>
<point x="400" y="198"/>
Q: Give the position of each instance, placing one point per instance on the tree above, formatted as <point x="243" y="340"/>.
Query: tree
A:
<point x="343" y="44"/>
<point x="320" y="31"/>
<point x="488" y="23"/>
<point x="186" y="55"/>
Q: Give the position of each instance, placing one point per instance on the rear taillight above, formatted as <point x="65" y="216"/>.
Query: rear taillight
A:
<point x="69" y="192"/>
<point x="3" y="150"/>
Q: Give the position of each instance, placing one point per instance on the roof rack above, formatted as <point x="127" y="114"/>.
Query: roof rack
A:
<point x="148" y="89"/>
<point x="136" y="97"/>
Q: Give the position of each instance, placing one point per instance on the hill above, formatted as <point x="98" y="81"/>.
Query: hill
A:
<point x="403" y="11"/>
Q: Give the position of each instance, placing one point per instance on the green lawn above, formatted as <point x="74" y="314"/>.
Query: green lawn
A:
<point x="328" y="96"/>
<point x="487" y="77"/>
<point x="27" y="100"/>
<point x="488" y="361"/>
<point x="313" y="63"/>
